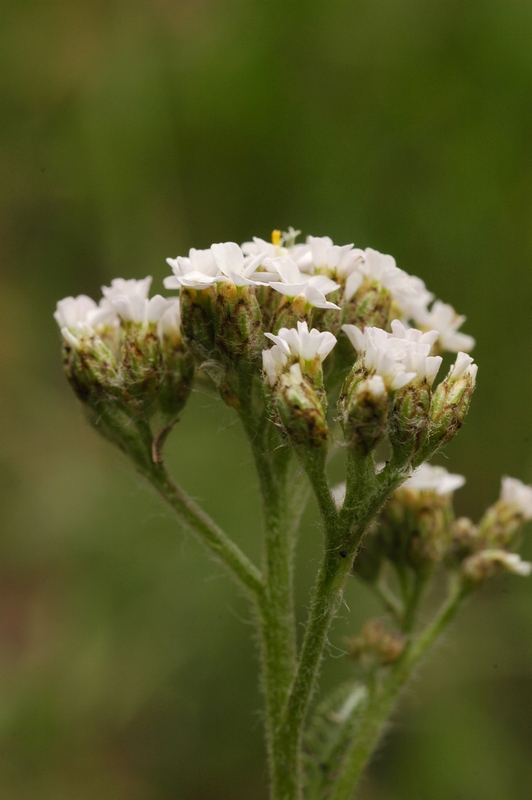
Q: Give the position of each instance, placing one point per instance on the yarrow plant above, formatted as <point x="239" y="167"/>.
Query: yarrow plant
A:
<point x="317" y="348"/>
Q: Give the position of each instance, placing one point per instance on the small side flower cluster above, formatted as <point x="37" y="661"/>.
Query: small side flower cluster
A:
<point x="127" y="350"/>
<point x="417" y="529"/>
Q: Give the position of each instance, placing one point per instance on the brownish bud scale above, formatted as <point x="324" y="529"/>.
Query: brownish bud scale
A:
<point x="376" y="645"/>
<point x="141" y="360"/>
<point x="238" y="323"/>
<point x="302" y="410"/>
<point x="92" y="370"/>
<point x="197" y="320"/>
<point x="369" y="307"/>
<point x="363" y="407"/>
<point x="409" y="418"/>
<point x="450" y="402"/>
<point x="290" y="313"/>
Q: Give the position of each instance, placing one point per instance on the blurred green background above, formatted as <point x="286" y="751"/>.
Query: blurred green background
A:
<point x="132" y="130"/>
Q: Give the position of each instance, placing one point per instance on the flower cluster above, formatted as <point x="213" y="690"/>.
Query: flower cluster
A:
<point x="125" y="355"/>
<point x="417" y="529"/>
<point x="141" y="354"/>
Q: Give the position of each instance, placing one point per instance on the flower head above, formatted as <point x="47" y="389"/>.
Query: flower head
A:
<point x="398" y="357"/>
<point x="444" y="319"/>
<point x="295" y="283"/>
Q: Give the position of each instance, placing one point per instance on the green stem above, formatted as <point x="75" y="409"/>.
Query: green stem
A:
<point x="196" y="520"/>
<point x="344" y="532"/>
<point x="384" y="698"/>
<point x="134" y="436"/>
<point x="276" y="615"/>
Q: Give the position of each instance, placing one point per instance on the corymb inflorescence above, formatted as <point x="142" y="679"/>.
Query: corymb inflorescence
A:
<point x="320" y="349"/>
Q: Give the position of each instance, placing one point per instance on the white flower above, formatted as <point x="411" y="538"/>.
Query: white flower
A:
<point x="434" y="479"/>
<point x="398" y="357"/>
<point x="326" y="255"/>
<point x="374" y="386"/>
<point x="261" y="247"/>
<point x="221" y="262"/>
<point x="304" y="344"/>
<point x="274" y="361"/>
<point x="443" y="318"/>
<point x="169" y="325"/>
<point x="407" y="290"/>
<point x="400" y="331"/>
<point x="294" y="283"/>
<point x="75" y="334"/>
<point x="476" y="564"/>
<point x="120" y="288"/>
<point x="130" y="287"/>
<point x="462" y="367"/>
<point x="197" y="271"/>
<point x="516" y="493"/>
<point x="140" y="310"/>
<point x="74" y="310"/>
<point x="234" y="265"/>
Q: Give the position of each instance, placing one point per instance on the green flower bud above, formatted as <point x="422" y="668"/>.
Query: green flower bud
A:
<point x="369" y="306"/>
<point x="302" y="409"/>
<point x="90" y="366"/>
<point x="141" y="362"/>
<point x="409" y="419"/>
<point x="238" y="323"/>
<point x="197" y="320"/>
<point x="451" y="401"/>
<point x="363" y="406"/>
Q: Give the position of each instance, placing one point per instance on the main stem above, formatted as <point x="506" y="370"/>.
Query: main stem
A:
<point x="276" y="605"/>
<point x="344" y="532"/>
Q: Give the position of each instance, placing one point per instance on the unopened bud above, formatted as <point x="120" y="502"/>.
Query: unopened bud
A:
<point x="451" y="401"/>
<point x="486" y="564"/>
<point x="409" y="419"/>
<point x="363" y="406"/>
<point x="301" y="408"/>
<point x="238" y="323"/>
<point x="502" y="523"/>
<point x="369" y="306"/>
<point x="90" y="366"/>
<point x="376" y="644"/>
<point x="177" y="364"/>
<point x="197" y="319"/>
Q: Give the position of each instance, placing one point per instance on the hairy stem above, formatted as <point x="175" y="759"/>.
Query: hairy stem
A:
<point x="384" y="697"/>
<point x="201" y="524"/>
<point x="276" y="605"/>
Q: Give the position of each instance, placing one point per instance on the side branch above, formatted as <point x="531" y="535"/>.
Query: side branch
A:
<point x="201" y="524"/>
